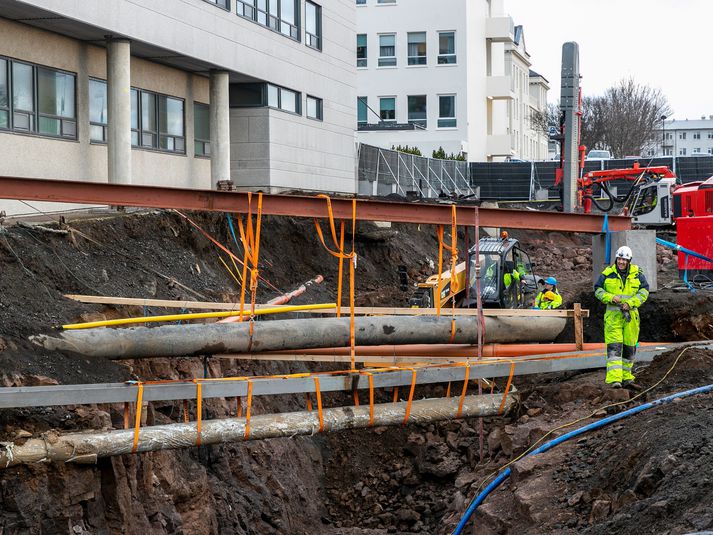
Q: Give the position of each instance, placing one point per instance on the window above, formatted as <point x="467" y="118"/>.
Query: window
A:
<point x="37" y="100"/>
<point x="157" y="122"/>
<point x="225" y="4"/>
<point x="283" y="99"/>
<point x="447" y="111"/>
<point x="4" y="96"/>
<point x="314" y="108"/>
<point x="682" y="135"/>
<point x="97" y="111"/>
<point x="386" y="1"/>
<point x="417" y="48"/>
<point x="313" y="25"/>
<point x="361" y="50"/>
<point x="696" y="135"/>
<point x="387" y="50"/>
<point x="710" y="135"/>
<point x="446" y="48"/>
<point x="279" y="15"/>
<point x="417" y="110"/>
<point x="682" y="152"/>
<point x="387" y="108"/>
<point x="710" y="150"/>
<point x="362" y="110"/>
<point x="361" y="2"/>
<point x="201" y="129"/>
<point x="669" y="135"/>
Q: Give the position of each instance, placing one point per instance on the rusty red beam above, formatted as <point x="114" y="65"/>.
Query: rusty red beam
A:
<point x="65" y="191"/>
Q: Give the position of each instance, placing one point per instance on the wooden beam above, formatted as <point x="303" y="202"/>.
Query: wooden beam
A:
<point x="578" y="327"/>
<point x="368" y="311"/>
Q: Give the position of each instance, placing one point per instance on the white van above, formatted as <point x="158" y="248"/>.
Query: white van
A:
<point x="598" y="155"/>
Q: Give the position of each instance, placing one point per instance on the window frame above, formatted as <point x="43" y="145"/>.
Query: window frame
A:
<point x="385" y="61"/>
<point x="381" y="117"/>
<point x="320" y="108"/>
<point x="35" y="114"/>
<point x="158" y="134"/>
<point x="445" y="56"/>
<point x="414" y="61"/>
<point x="250" y="10"/>
<point x="216" y="3"/>
<point x="314" y="41"/>
<point x="363" y="101"/>
<point x="362" y="62"/>
<point x="205" y="143"/>
<point x="280" y="89"/>
<point x="443" y="119"/>
<point x="420" y="123"/>
<point x="104" y="126"/>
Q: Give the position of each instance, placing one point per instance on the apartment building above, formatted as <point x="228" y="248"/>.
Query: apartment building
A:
<point x="180" y="93"/>
<point x="453" y="74"/>
<point x="683" y="138"/>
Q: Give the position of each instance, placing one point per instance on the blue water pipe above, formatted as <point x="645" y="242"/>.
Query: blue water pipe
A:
<point x="552" y="443"/>
<point x="686" y="252"/>
<point x="607" y="240"/>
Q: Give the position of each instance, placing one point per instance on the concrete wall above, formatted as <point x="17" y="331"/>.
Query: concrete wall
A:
<point x="643" y="247"/>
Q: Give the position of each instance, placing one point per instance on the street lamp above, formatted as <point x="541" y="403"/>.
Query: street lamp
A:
<point x="663" y="133"/>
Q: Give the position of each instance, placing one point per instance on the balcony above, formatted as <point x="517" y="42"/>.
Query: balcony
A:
<point x="499" y="145"/>
<point x="500" y="29"/>
<point x="499" y="88"/>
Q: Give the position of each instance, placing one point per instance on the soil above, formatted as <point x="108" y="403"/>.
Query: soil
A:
<point x="417" y="479"/>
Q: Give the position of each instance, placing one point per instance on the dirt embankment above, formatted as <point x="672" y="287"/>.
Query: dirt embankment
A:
<point x="410" y="480"/>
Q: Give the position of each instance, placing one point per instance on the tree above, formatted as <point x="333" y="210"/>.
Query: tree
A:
<point x="408" y="150"/>
<point x="542" y="120"/>
<point x="440" y="154"/>
<point x="625" y="119"/>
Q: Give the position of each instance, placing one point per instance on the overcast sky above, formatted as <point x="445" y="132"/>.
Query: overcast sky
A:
<point x="661" y="43"/>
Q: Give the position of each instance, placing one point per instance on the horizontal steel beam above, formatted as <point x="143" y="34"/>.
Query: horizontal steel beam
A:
<point x="296" y="206"/>
<point x="42" y="396"/>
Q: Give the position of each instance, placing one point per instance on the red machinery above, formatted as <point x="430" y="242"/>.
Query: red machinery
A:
<point x="693" y="214"/>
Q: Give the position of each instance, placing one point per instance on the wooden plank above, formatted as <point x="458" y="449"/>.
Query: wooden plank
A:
<point x="578" y="327"/>
<point x="368" y="311"/>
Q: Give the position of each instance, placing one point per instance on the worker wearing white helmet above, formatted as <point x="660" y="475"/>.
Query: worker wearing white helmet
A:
<point x="623" y="288"/>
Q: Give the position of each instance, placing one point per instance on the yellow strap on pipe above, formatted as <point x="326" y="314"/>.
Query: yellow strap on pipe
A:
<point x="197" y="315"/>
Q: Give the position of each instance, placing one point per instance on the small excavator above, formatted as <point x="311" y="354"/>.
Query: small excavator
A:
<point x="506" y="278"/>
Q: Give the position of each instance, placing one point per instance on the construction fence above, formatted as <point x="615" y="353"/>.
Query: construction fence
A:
<point x="522" y="181"/>
<point x="383" y="172"/>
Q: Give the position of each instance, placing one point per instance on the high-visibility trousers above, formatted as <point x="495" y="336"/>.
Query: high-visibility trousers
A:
<point x="621" y="338"/>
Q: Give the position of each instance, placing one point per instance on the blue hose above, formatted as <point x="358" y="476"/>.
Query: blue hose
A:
<point x="552" y="443"/>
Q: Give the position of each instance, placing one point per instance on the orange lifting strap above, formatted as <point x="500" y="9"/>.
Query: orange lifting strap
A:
<point x="250" y="238"/>
<point x="410" y="395"/>
<point x="318" y="394"/>
<point x="137" y="420"/>
<point x="453" y="249"/>
<point x="247" y="409"/>
<point x="199" y="411"/>
<point x="341" y="255"/>
<point x="507" y="387"/>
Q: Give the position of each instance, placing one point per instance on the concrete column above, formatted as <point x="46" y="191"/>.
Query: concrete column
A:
<point x="219" y="127"/>
<point x="118" y="70"/>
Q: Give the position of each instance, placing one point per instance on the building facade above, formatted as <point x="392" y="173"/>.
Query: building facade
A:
<point x="683" y="138"/>
<point x="180" y="94"/>
<point x="453" y="75"/>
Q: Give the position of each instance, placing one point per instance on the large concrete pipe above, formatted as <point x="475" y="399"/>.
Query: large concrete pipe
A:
<point x="279" y="335"/>
<point x="87" y="447"/>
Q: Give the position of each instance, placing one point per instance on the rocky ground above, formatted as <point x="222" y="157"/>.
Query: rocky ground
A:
<point x="408" y="480"/>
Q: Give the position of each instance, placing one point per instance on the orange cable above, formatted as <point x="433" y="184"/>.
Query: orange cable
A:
<point x="410" y="396"/>
<point x="319" y="404"/>
<point x="507" y="388"/>
<point x="137" y="419"/>
<point x="247" y="409"/>
<point x="371" y="398"/>
<point x="199" y="412"/>
<point x="465" y="389"/>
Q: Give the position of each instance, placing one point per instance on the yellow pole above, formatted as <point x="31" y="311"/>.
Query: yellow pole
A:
<point x="197" y="315"/>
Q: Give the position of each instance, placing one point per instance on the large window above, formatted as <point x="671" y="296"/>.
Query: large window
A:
<point x="280" y="15"/>
<point x="37" y="100"/>
<point x="447" y="111"/>
<point x="201" y="129"/>
<point x="446" y="48"/>
<point x="417" y="48"/>
<point x="283" y="99"/>
<point x="387" y="50"/>
<point x="362" y="110"/>
<point x="157" y="122"/>
<point x="361" y="50"/>
<point x="97" y="111"/>
<point x="314" y="108"/>
<point x="313" y="25"/>
<point x="417" y="114"/>
<point x="387" y="108"/>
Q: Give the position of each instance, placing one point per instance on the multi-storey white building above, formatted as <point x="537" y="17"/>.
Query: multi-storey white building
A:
<point x="684" y="138"/>
<point x="453" y="74"/>
<point x="180" y="93"/>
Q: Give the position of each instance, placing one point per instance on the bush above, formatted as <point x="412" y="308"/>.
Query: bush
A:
<point x="440" y="154"/>
<point x="408" y="150"/>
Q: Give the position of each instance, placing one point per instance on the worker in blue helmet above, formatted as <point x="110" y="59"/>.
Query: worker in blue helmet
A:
<point x="549" y="297"/>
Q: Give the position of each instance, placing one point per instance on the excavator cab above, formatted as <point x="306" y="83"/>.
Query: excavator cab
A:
<point x="506" y="279"/>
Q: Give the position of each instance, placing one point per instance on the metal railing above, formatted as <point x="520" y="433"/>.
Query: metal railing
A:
<point x="384" y="172"/>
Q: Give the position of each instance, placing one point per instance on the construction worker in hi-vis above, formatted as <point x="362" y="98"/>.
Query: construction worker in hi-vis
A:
<point x="622" y="287"/>
<point x="548" y="298"/>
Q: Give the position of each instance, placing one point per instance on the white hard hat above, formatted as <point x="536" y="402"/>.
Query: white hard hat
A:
<point x="624" y="252"/>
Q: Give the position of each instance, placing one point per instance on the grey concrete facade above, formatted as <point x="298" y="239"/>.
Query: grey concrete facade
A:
<point x="643" y="247"/>
<point x="219" y="127"/>
<point x="174" y="47"/>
